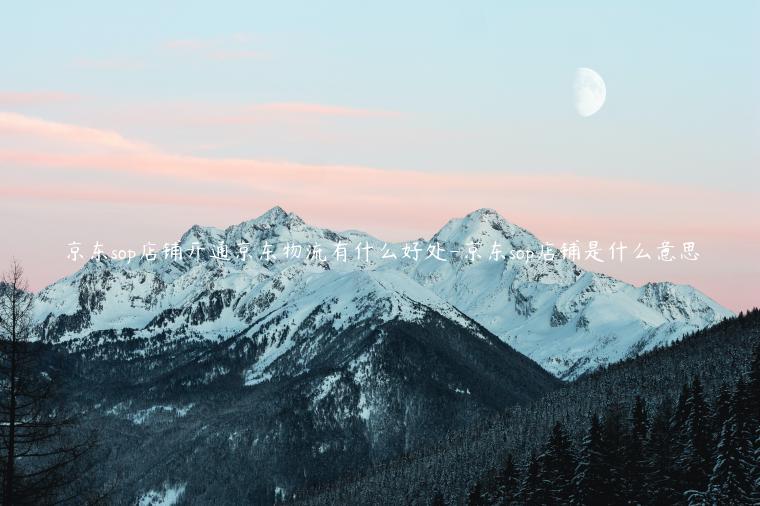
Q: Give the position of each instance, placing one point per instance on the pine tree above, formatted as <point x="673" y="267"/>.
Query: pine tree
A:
<point x="557" y="466"/>
<point x="741" y="402"/>
<point x="636" y="468"/>
<point x="754" y="470"/>
<point x="681" y="411"/>
<point x="529" y="491"/>
<point x="753" y="383"/>
<point x="746" y="426"/>
<point x="613" y="455"/>
<point x="722" y="410"/>
<point x="589" y="479"/>
<point x="752" y="414"/>
<point x="507" y="482"/>
<point x="639" y="420"/>
<point x="475" y="497"/>
<point x="695" y="458"/>
<point x="729" y="482"/>
<point x="437" y="499"/>
<point x="661" y="479"/>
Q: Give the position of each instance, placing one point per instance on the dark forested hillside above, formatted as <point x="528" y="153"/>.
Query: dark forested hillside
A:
<point x="190" y="419"/>
<point x="675" y="425"/>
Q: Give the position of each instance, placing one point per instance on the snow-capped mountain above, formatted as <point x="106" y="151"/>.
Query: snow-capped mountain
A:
<point x="300" y="368"/>
<point x="566" y="319"/>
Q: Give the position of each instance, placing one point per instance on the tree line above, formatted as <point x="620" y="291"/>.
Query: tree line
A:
<point x="447" y="472"/>
<point x="690" y="451"/>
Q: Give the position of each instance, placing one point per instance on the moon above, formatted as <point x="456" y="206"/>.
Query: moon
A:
<point x="589" y="90"/>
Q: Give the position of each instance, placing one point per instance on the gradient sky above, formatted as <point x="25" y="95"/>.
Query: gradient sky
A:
<point x="129" y="124"/>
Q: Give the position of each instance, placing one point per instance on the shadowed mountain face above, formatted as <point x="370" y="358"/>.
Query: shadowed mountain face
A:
<point x="196" y="416"/>
<point x="568" y="320"/>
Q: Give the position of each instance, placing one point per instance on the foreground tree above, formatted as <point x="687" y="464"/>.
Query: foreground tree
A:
<point x="41" y="450"/>
<point x="590" y="475"/>
<point x="475" y="497"/>
<point x="507" y="482"/>
<point x="662" y="476"/>
<point x="636" y="468"/>
<point x="729" y="481"/>
<point x="529" y="491"/>
<point x="557" y="466"/>
<point x="437" y="499"/>
<point x="695" y="459"/>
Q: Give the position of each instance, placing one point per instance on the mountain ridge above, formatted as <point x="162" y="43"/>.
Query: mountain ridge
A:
<point x="552" y="310"/>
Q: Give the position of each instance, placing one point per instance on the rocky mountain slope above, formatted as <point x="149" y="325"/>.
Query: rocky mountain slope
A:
<point x="568" y="320"/>
<point x="197" y="417"/>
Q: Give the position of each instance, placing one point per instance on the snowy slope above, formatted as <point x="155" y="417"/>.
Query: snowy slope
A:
<point x="565" y="318"/>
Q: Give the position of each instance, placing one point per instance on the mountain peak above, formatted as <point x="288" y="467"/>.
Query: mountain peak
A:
<point x="274" y="213"/>
<point x="273" y="218"/>
<point x="486" y="223"/>
<point x="485" y="211"/>
<point x="198" y="234"/>
<point x="492" y="218"/>
<point x="277" y="216"/>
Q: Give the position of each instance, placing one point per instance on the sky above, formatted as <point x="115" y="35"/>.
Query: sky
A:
<point x="126" y="124"/>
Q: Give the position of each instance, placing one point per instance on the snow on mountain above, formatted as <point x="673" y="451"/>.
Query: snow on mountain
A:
<point x="567" y="319"/>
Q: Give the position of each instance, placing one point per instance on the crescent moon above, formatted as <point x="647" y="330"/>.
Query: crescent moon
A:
<point x="589" y="91"/>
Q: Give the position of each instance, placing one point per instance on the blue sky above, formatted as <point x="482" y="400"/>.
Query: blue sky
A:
<point x="124" y="121"/>
<point x="484" y="85"/>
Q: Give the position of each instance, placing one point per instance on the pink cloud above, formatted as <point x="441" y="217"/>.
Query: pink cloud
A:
<point x="109" y="194"/>
<point x="298" y="117"/>
<point x="83" y="136"/>
<point x="391" y="204"/>
<point x="289" y="112"/>
<point x="17" y="98"/>
<point x="102" y="150"/>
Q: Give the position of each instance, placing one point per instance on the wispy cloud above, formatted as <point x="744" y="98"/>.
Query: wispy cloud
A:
<point x="293" y="114"/>
<point x="103" y="150"/>
<point x="138" y="176"/>
<point x="108" y="194"/>
<point x="288" y="112"/>
<point x="82" y="136"/>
